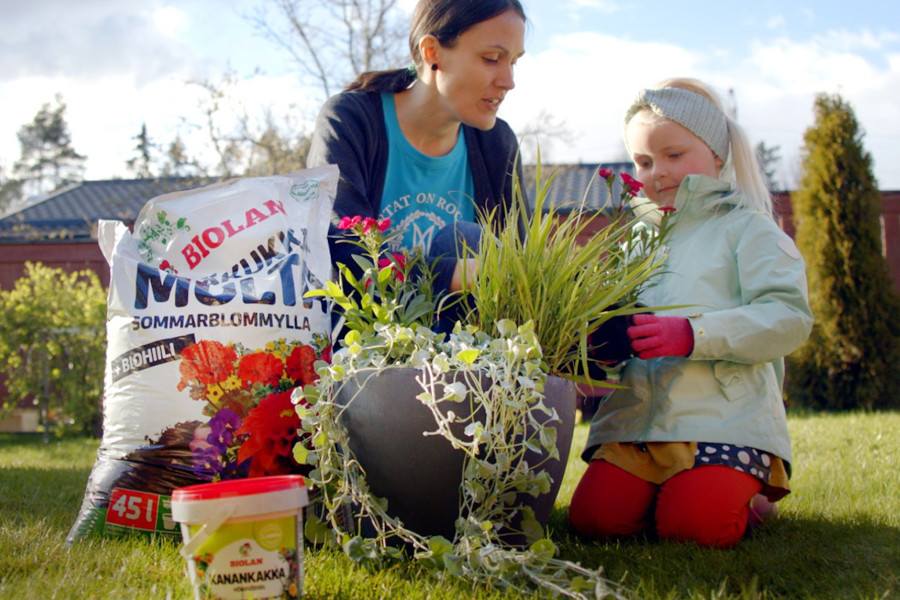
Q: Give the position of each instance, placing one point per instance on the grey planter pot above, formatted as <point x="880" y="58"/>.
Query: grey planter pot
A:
<point x="421" y="476"/>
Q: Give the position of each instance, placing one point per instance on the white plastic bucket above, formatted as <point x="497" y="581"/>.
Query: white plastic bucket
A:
<point x="243" y="538"/>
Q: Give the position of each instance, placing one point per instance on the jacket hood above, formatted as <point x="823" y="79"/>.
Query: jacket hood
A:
<point x="696" y="194"/>
<point x="701" y="193"/>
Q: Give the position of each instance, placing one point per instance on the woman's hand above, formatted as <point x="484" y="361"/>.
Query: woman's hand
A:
<point x="470" y="265"/>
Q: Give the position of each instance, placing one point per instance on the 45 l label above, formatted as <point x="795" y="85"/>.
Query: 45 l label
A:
<point x="139" y="510"/>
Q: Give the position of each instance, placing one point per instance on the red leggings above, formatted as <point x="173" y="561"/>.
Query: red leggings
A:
<point x="706" y="505"/>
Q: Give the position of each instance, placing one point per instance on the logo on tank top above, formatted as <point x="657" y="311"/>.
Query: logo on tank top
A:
<point x="419" y="229"/>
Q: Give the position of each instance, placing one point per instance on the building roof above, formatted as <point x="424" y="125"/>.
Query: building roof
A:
<point x="575" y="185"/>
<point x="71" y="214"/>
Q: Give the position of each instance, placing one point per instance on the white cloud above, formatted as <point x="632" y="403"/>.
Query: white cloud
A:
<point x="848" y="41"/>
<point x="778" y="81"/>
<point x="587" y="79"/>
<point x="88" y="38"/>
<point x="776" y="22"/>
<point x="806" y="66"/>
<point x="169" y="20"/>
<point x="119" y="64"/>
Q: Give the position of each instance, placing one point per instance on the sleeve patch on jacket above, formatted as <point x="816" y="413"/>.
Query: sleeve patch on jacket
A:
<point x="789" y="248"/>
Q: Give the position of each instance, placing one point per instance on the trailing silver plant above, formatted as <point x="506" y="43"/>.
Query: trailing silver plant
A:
<point x="498" y="426"/>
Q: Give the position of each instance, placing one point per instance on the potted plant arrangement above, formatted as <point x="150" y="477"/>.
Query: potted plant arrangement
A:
<point x="451" y="449"/>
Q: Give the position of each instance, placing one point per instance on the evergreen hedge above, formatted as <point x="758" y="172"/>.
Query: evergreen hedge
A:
<point x="852" y="358"/>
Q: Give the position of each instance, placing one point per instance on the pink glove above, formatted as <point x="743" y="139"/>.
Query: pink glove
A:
<point x="653" y="336"/>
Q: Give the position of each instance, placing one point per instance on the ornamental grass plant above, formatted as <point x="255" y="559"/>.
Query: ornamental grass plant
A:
<point x="549" y="273"/>
<point x="837" y="536"/>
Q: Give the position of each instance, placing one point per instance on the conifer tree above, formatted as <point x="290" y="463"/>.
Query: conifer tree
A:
<point x="141" y="164"/>
<point x="852" y="358"/>
<point x="48" y="159"/>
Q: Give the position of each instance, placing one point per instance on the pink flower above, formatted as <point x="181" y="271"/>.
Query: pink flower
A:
<point x="631" y="181"/>
<point x="368" y="224"/>
<point x="386" y="263"/>
<point x="399" y="260"/>
<point x="349" y="222"/>
<point x="667" y="209"/>
<point x="632" y="185"/>
<point x="384" y="225"/>
<point x="605" y="173"/>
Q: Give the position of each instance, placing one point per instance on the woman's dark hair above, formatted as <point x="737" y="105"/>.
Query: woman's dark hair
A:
<point x="444" y="19"/>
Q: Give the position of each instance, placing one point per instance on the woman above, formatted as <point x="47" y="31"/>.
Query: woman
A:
<point x="422" y="146"/>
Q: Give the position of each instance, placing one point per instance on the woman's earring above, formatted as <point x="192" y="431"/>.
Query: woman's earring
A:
<point x="434" y="67"/>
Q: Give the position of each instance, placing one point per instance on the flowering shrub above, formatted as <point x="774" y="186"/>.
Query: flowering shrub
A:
<point x="390" y="288"/>
<point x="253" y="424"/>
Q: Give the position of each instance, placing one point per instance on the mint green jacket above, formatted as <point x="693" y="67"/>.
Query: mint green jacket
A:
<point x="745" y="282"/>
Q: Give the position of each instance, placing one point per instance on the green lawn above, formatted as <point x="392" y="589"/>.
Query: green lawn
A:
<point x="838" y="534"/>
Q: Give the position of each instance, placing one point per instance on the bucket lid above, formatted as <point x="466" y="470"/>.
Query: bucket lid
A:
<point x="241" y="497"/>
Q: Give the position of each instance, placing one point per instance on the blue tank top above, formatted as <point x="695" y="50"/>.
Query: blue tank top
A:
<point x="423" y="194"/>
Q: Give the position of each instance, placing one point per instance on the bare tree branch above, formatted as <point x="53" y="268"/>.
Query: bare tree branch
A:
<point x="541" y="133"/>
<point x="332" y="41"/>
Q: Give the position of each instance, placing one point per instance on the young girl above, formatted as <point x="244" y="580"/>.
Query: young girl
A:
<point x="699" y="428"/>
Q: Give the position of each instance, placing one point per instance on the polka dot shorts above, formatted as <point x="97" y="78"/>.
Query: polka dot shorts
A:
<point x="741" y="458"/>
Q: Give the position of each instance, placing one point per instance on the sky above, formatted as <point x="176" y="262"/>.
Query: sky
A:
<point x="118" y="64"/>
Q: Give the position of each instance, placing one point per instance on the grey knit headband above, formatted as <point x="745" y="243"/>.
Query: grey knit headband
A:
<point x="690" y="110"/>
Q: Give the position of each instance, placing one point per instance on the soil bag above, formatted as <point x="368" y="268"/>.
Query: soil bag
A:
<point x="207" y="333"/>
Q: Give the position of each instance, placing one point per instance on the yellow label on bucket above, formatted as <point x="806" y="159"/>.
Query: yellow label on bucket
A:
<point x="250" y="559"/>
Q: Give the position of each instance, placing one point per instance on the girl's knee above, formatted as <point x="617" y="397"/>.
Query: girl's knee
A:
<point x="709" y="526"/>
<point x="610" y="502"/>
<point x="594" y="521"/>
<point x="708" y="505"/>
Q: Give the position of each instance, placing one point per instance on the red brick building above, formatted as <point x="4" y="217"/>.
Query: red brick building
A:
<point x="60" y="230"/>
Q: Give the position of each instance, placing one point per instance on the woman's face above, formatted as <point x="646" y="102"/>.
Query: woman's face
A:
<point x="664" y="153"/>
<point x="475" y="74"/>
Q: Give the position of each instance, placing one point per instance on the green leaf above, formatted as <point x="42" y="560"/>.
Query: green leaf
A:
<point x="469" y="356"/>
<point x="548" y="437"/>
<point x="360" y="550"/>
<point x="544" y="548"/>
<point x="317" y="531"/>
<point x="531" y="528"/>
<point x="300" y="453"/>
<point x="456" y="391"/>
<point x="439" y="545"/>
<point x="506" y="327"/>
<point x="454" y="564"/>
<point x="474" y="430"/>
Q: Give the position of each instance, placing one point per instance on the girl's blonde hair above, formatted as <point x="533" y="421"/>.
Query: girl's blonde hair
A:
<point x="741" y="169"/>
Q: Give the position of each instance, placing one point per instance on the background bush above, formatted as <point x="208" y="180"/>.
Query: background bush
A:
<point x="852" y="356"/>
<point x="52" y="345"/>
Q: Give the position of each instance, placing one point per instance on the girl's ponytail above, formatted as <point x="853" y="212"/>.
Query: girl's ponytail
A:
<point x="744" y="173"/>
